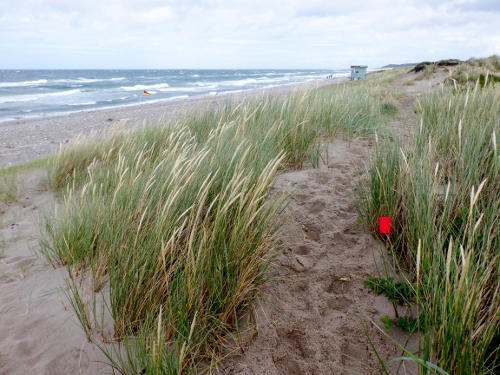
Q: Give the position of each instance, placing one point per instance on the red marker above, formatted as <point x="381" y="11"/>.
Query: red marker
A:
<point x="384" y="224"/>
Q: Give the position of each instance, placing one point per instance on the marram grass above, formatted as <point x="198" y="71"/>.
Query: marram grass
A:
<point x="183" y="241"/>
<point x="443" y="194"/>
<point x="167" y="230"/>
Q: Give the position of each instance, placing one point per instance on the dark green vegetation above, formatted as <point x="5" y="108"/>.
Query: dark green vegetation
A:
<point x="487" y="79"/>
<point x="407" y="323"/>
<point x="388" y="108"/>
<point x="426" y="64"/>
<point x="398" y="292"/>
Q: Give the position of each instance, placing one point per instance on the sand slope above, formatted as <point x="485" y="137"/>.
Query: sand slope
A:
<point x="39" y="331"/>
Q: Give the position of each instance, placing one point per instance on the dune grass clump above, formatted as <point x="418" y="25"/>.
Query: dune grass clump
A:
<point x="481" y="72"/>
<point x="426" y="72"/>
<point x="10" y="186"/>
<point x="443" y="195"/>
<point x="388" y="108"/>
<point x="179" y="243"/>
<point x="491" y="63"/>
<point x="167" y="230"/>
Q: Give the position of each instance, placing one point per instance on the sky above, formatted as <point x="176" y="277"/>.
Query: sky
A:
<point x="240" y="34"/>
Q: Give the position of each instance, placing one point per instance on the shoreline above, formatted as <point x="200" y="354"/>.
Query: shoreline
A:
<point x="28" y="139"/>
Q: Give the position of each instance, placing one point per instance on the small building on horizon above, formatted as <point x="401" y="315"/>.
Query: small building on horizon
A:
<point x="358" y="71"/>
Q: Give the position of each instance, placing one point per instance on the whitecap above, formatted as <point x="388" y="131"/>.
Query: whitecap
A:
<point x="88" y="80"/>
<point x="24" y="83"/>
<point x="32" y="97"/>
<point x="240" y="83"/>
<point x="173" y="89"/>
<point x="145" y="87"/>
<point x="87" y="103"/>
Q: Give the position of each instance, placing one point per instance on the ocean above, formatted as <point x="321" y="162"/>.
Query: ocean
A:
<point x="37" y="93"/>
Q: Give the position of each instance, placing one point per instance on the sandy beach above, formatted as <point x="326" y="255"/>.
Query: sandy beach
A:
<point x="313" y="324"/>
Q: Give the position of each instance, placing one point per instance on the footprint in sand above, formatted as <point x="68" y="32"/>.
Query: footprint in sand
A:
<point x="301" y="197"/>
<point x="340" y="166"/>
<point x="341" y="239"/>
<point x="322" y="179"/>
<point x="288" y="366"/>
<point x="301" y="264"/>
<point x="298" y="339"/>
<point x="342" y="214"/>
<point x="317" y="207"/>
<point x="339" y="285"/>
<point x="312" y="232"/>
<point x="339" y="303"/>
<point x="301" y="250"/>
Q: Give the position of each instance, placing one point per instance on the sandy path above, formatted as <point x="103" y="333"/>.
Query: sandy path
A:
<point x="312" y="325"/>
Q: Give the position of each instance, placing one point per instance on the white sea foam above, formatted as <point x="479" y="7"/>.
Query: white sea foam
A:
<point x="32" y="97"/>
<point x="88" y="103"/>
<point x="145" y="87"/>
<point x="88" y="80"/>
<point x="91" y="80"/>
<point x="174" y="89"/>
<point x="240" y="82"/>
<point x="25" y="83"/>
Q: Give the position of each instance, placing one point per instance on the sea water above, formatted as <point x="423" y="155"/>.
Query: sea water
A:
<point x="37" y="93"/>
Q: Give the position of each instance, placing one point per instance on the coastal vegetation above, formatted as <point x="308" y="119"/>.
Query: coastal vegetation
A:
<point x="482" y="72"/>
<point x="10" y="186"/>
<point x="167" y="230"/>
<point x="442" y="193"/>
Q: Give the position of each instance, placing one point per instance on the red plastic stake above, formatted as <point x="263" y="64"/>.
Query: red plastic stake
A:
<point x="384" y="224"/>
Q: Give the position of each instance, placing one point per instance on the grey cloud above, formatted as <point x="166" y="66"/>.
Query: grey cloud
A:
<point x="480" y="6"/>
<point x="461" y="5"/>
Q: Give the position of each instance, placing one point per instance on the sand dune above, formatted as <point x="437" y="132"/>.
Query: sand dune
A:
<point x="312" y="325"/>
